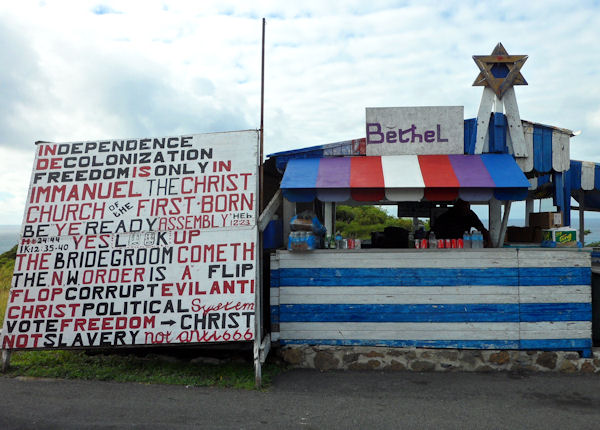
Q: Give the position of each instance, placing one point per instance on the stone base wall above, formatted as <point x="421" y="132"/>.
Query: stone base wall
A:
<point x="436" y="360"/>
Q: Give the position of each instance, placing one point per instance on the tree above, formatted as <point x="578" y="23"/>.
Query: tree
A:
<point x="360" y="221"/>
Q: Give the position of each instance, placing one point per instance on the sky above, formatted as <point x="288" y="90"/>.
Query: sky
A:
<point x="87" y="70"/>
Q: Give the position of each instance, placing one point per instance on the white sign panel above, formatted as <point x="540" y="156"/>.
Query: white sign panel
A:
<point x="137" y="242"/>
<point x="415" y="130"/>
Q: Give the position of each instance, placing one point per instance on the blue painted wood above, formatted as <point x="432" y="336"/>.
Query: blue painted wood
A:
<point x="403" y="343"/>
<point x="431" y="277"/>
<point x="559" y="193"/>
<point x="597" y="176"/>
<point x="547" y="149"/>
<point x="575" y="171"/>
<point x="555" y="276"/>
<point x="275" y="314"/>
<point x="274" y="279"/>
<point x="538" y="160"/>
<point x="497" y="134"/>
<point x="536" y="312"/>
<point x="567" y="198"/>
<point x="555" y="344"/>
<point x="400" y="313"/>
<point x="470" y="136"/>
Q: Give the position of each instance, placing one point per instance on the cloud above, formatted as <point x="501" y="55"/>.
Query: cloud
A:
<point x="79" y="70"/>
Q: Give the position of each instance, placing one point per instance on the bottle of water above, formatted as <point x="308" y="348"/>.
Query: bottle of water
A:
<point x="477" y="239"/>
<point x="466" y="240"/>
<point x="432" y="240"/>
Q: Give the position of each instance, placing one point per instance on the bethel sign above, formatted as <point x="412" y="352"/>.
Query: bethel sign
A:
<point x="415" y="130"/>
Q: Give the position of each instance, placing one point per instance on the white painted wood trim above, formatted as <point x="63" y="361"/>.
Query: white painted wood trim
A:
<point x="587" y="175"/>
<point x="399" y="295"/>
<point x="394" y="331"/>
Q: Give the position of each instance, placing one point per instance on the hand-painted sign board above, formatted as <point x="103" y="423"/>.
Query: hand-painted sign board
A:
<point x="137" y="242"/>
<point x="415" y="130"/>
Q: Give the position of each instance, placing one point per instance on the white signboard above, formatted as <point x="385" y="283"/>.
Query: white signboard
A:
<point x="415" y="130"/>
<point x="137" y="242"/>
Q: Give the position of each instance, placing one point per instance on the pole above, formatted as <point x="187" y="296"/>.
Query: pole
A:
<point x="262" y="115"/>
<point x="258" y="323"/>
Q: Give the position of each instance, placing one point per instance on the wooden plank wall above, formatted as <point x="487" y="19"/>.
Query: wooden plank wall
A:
<point x="481" y="299"/>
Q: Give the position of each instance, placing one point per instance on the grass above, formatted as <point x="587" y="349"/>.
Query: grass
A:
<point x="148" y="369"/>
<point x="130" y="368"/>
<point x="7" y="264"/>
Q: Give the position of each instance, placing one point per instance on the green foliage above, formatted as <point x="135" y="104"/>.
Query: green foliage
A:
<point x="360" y="221"/>
<point x="7" y="264"/>
<point x="130" y="368"/>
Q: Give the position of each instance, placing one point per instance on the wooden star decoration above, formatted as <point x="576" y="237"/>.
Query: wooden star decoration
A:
<point x="499" y="71"/>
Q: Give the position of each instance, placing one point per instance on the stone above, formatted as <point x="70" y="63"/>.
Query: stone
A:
<point x="587" y="367"/>
<point x="372" y="354"/>
<point x="395" y="365"/>
<point x="374" y="364"/>
<point x="499" y="358"/>
<point x="449" y="355"/>
<point x="395" y="352"/>
<point x="468" y="358"/>
<point x="411" y="355"/>
<point x="326" y="361"/>
<point x="485" y="368"/>
<point x="448" y="366"/>
<point x="568" y="367"/>
<point x="596" y="362"/>
<point x="426" y="354"/>
<point x="350" y="357"/>
<point x="572" y="356"/>
<point x="205" y="360"/>
<point x="547" y="359"/>
<point x="531" y="352"/>
<point x="359" y="366"/>
<point x="292" y="356"/>
<point x="422" y="366"/>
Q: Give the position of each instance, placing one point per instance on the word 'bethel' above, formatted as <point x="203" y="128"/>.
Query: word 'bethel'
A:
<point x="409" y="135"/>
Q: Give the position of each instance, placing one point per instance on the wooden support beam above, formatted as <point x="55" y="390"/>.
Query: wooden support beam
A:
<point x="483" y="118"/>
<point x="267" y="214"/>
<point x="515" y="127"/>
<point x="504" y="226"/>
<point x="495" y="212"/>
<point x="581" y="217"/>
<point x="6" y="353"/>
<point x="528" y="210"/>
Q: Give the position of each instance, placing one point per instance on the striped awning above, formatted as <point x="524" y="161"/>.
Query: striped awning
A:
<point x="405" y="178"/>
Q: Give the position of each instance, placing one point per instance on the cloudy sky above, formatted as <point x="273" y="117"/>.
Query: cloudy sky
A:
<point x="85" y="70"/>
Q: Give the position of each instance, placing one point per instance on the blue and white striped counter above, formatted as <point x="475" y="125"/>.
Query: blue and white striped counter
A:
<point x="480" y="299"/>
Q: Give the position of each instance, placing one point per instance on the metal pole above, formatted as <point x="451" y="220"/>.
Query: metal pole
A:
<point x="258" y="323"/>
<point x="262" y="115"/>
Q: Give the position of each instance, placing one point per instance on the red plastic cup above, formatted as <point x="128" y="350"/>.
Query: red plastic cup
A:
<point x="453" y="243"/>
<point x="448" y="243"/>
<point x="441" y="243"/>
<point x="424" y="243"/>
<point x="460" y="244"/>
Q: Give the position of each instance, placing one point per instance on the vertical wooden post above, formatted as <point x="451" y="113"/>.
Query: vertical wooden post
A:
<point x="581" y="217"/>
<point x="528" y="210"/>
<point x="495" y="213"/>
<point x="507" y="205"/>
<point x="6" y="353"/>
<point x="328" y="217"/>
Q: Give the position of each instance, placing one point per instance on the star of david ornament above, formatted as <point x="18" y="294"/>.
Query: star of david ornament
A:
<point x="499" y="71"/>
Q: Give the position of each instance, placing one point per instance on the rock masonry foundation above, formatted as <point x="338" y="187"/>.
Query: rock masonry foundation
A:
<point x="436" y="360"/>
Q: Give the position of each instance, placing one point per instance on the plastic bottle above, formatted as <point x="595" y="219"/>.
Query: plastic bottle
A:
<point x="411" y="240"/>
<point x="477" y="239"/>
<point x="432" y="240"/>
<point x="466" y="239"/>
<point x="338" y="240"/>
